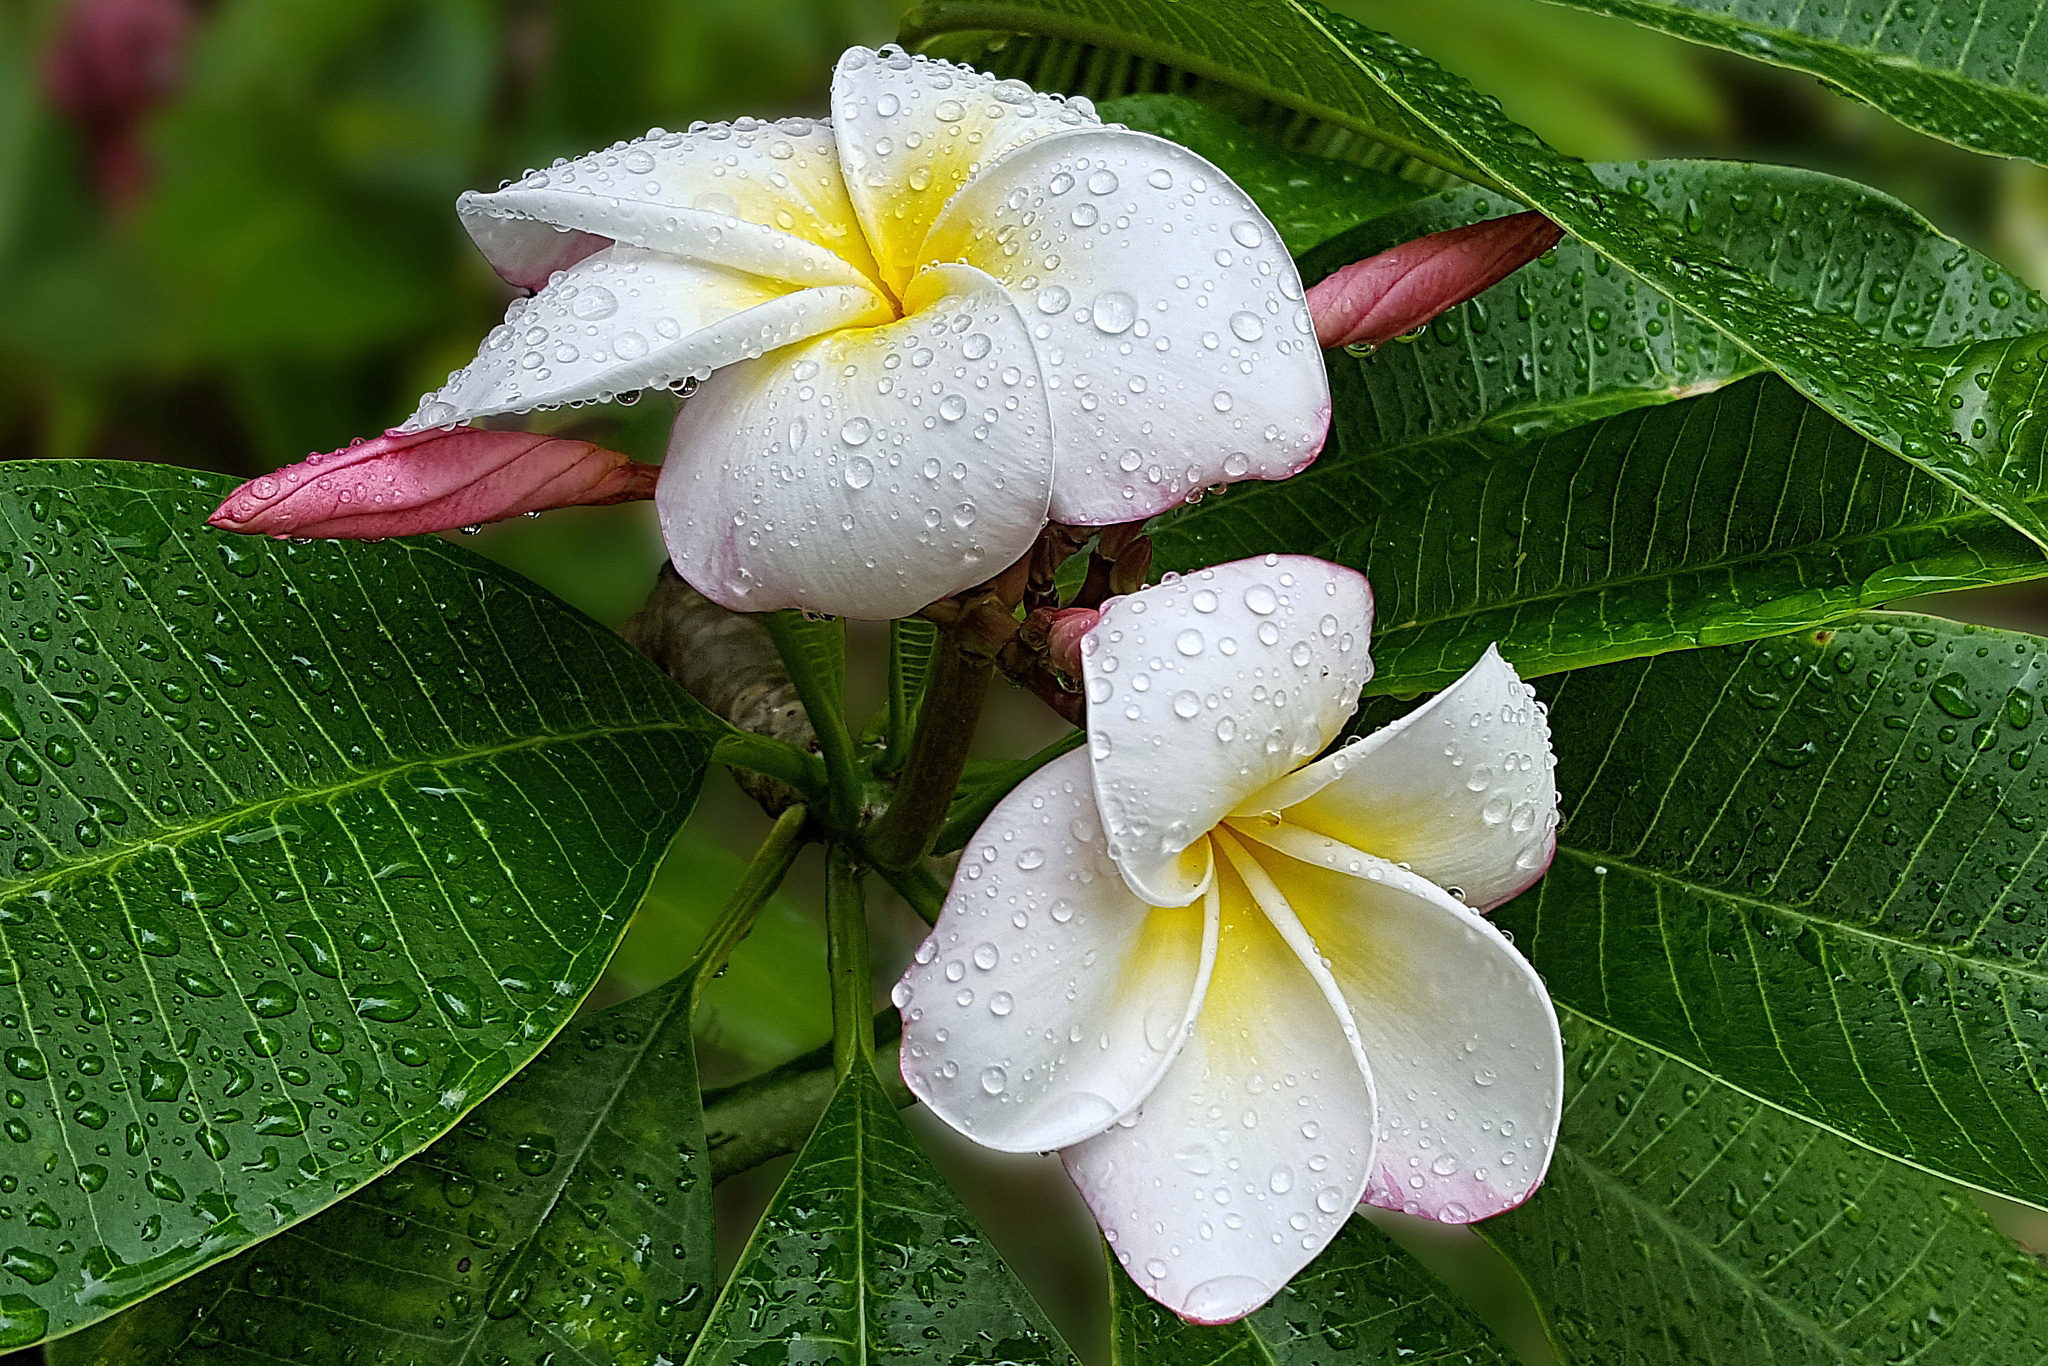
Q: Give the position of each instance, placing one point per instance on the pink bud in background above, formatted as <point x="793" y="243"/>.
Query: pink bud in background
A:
<point x="1373" y="301"/>
<point x="406" y="483"/>
<point x="1063" y="637"/>
<point x="110" y="64"/>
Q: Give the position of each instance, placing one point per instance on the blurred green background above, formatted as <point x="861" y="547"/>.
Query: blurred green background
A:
<point x="278" y="269"/>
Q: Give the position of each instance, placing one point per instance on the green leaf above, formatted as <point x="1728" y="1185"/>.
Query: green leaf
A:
<point x="1309" y="199"/>
<point x="1685" y="1222"/>
<point x="772" y="1000"/>
<point x="1362" y="1299"/>
<point x="309" y="848"/>
<point x="570" y="1215"/>
<point x="1814" y="867"/>
<point x="1298" y="56"/>
<point x="1973" y="72"/>
<point x="1569" y="339"/>
<point x="867" y="1256"/>
<point x="1725" y="518"/>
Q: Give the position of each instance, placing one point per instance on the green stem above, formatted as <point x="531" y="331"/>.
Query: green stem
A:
<point x="826" y="709"/>
<point x="967" y="813"/>
<point x="962" y="664"/>
<point x="772" y="1114"/>
<point x="917" y="886"/>
<point x="785" y="763"/>
<point x="771" y="864"/>
<point x="846" y="956"/>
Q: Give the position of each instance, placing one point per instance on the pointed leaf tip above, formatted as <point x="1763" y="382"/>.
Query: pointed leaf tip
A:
<point x="407" y="483"/>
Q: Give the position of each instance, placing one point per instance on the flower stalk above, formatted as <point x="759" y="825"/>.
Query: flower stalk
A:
<point x="846" y="957"/>
<point x="771" y="863"/>
<point x="963" y="661"/>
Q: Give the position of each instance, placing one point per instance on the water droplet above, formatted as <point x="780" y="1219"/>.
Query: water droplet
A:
<point x="1114" y="311"/>
<point x="593" y="302"/>
<point x="1245" y="326"/>
<point x="994" y="1080"/>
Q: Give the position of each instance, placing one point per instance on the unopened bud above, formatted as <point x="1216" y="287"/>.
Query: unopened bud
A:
<point x="403" y="484"/>
<point x="1373" y="301"/>
<point x="1063" y="632"/>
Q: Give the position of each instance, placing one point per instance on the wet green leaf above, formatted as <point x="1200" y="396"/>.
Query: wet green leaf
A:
<point x="1719" y="519"/>
<point x="1309" y="199"/>
<point x="307" y="848"/>
<point x="1972" y="72"/>
<point x="1683" y="1221"/>
<point x="1324" y="80"/>
<point x="1813" y="866"/>
<point x="865" y="1256"/>
<point x="569" y="1213"/>
<point x="1362" y="1300"/>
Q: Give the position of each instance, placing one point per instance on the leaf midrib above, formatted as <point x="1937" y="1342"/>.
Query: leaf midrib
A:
<point x="1977" y="520"/>
<point x="1946" y="76"/>
<point x="682" y="1001"/>
<point x="176" y="836"/>
<point x="1961" y="961"/>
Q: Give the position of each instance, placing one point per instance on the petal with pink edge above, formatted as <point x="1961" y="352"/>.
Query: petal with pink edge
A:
<point x="1462" y="789"/>
<point x="628" y="319"/>
<point x="1461" y="1035"/>
<point x="912" y="131"/>
<point x="1256" y="1145"/>
<point x="1203" y="690"/>
<point x="763" y="198"/>
<point x="1048" y="1000"/>
<point x="1169" y="318"/>
<point x="868" y="472"/>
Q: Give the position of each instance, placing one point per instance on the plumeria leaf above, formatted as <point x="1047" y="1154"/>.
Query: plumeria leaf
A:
<point x="867" y="1255"/>
<point x="1686" y="1221"/>
<point x="1321" y="66"/>
<point x="1723" y="518"/>
<point x="1961" y="70"/>
<point x="1812" y="867"/>
<point x="1362" y="1300"/>
<point x="310" y="848"/>
<point x="570" y="1213"/>
<point x="1570" y="339"/>
<point x="1309" y="199"/>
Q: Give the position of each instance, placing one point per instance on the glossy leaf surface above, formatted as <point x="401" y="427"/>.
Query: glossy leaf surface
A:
<point x="1813" y="867"/>
<point x="1685" y="1222"/>
<point x="309" y="848"/>
<point x="1972" y="72"/>
<point x="1363" y="1299"/>
<point x="570" y="1215"/>
<point x="1309" y="199"/>
<point x="865" y="1256"/>
<point x="1297" y="55"/>
<point x="1738" y="515"/>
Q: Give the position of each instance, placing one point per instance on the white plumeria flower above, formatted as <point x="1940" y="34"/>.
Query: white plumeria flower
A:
<point x="922" y="327"/>
<point x="1243" y="992"/>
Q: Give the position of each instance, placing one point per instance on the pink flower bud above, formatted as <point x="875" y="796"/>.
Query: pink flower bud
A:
<point x="1373" y="301"/>
<point x="110" y="64"/>
<point x="1063" y="637"/>
<point x="405" y="483"/>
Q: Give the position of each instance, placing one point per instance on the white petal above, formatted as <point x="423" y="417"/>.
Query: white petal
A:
<point x="1203" y="690"/>
<point x="1254" y="1148"/>
<point x="765" y="198"/>
<point x="912" y="131"/>
<point x="1461" y="1035"/>
<point x="1462" y="789"/>
<point x="628" y="319"/>
<point x="1048" y="1000"/>
<point x="868" y="472"/>
<point x="1169" y="318"/>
